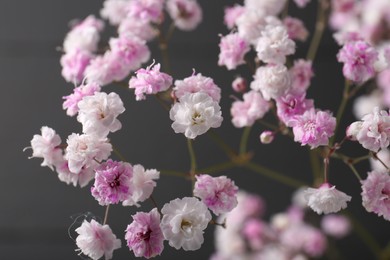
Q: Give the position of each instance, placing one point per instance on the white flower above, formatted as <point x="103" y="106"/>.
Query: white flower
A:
<point x="365" y="104"/>
<point x="115" y="11"/>
<point x="195" y="114"/>
<point x="98" y="113"/>
<point x="142" y="184"/>
<point x="46" y="146"/>
<point x="272" y="81"/>
<point x="271" y="7"/>
<point x="274" y="45"/>
<point x="183" y="223"/>
<point x="96" y="240"/>
<point x="83" y="149"/>
<point x="326" y="199"/>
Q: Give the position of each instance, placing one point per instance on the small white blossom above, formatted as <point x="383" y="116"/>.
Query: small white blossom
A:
<point x="326" y="199"/>
<point x="98" y="113"/>
<point x="183" y="223"/>
<point x="195" y="114"/>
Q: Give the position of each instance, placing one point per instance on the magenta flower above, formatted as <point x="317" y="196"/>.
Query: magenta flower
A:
<point x="112" y="182"/>
<point x="149" y="10"/>
<point x="73" y="65"/>
<point x="149" y="81"/>
<point x="295" y="28"/>
<point x="96" y="240"/>
<point x="358" y="58"/>
<point x="335" y="225"/>
<point x="144" y="236"/>
<point x="313" y="128"/>
<point x="301" y="74"/>
<point x="232" y="51"/>
<point x="291" y="106"/>
<point x="71" y="101"/>
<point x="218" y="193"/>
<point x="376" y="193"/>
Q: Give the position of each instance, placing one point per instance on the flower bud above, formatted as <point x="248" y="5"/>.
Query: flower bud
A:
<point x="353" y="130"/>
<point x="266" y="137"/>
<point x="239" y="85"/>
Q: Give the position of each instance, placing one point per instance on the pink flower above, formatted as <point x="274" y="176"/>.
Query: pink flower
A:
<point x="334" y="225"/>
<point x="115" y="11"/>
<point x="130" y="50"/>
<point x="84" y="35"/>
<point x="358" y="58"/>
<point x="232" y="51"/>
<point x="183" y="223"/>
<point x="291" y="106"/>
<point x="326" y="199"/>
<point x="376" y="193"/>
<point x="301" y="3"/>
<point x="301" y="74"/>
<point x="313" y="128"/>
<point x="83" y="150"/>
<point x="343" y="37"/>
<point x="143" y="183"/>
<point x="375" y="130"/>
<point x="246" y="112"/>
<point x="144" y="236"/>
<point x="239" y="85"/>
<point x="82" y="178"/>
<point x="71" y="101"/>
<point x="295" y="28"/>
<point x="137" y="27"/>
<point x="270" y="7"/>
<point x="98" y="113"/>
<point x="96" y="240"/>
<point x="149" y="10"/>
<point x="272" y="81"/>
<point x="112" y="182"/>
<point x="46" y="146"/>
<point x="218" y="193"/>
<point x="274" y="45"/>
<point x="149" y="81"/>
<point x="197" y="83"/>
<point x="383" y="81"/>
<point x="73" y="65"/>
<point x="231" y="15"/>
<point x="186" y="14"/>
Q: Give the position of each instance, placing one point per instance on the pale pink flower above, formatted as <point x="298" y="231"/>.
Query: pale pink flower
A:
<point x="326" y="199"/>
<point x="266" y="137"/>
<point x="149" y="10"/>
<point x="149" y="81"/>
<point x="186" y="14"/>
<point x="274" y="45"/>
<point x="353" y="130"/>
<point x="73" y="65"/>
<point x="112" y="182"/>
<point x="365" y="104"/>
<point x="144" y="236"/>
<point x="71" y="101"/>
<point x="257" y="233"/>
<point x="46" y="146"/>
<point x="301" y="74"/>
<point x="98" y="113"/>
<point x="138" y="27"/>
<point x="83" y="149"/>
<point x="296" y="30"/>
<point x="301" y="3"/>
<point x="231" y="15"/>
<point x="376" y="193"/>
<point x="232" y="51"/>
<point x="383" y="81"/>
<point x="291" y="105"/>
<point x="271" y="7"/>
<point x="95" y="240"/>
<point x="130" y="50"/>
<point x="358" y="58"/>
<point x="272" y="81"/>
<point x="218" y="193"/>
<point x="343" y="37"/>
<point x="82" y="178"/>
<point x="313" y="128"/>
<point x="195" y="114"/>
<point x="183" y="223"/>
<point x="197" y="83"/>
<point x="239" y="85"/>
<point x="246" y="112"/>
<point x="143" y="183"/>
<point x="337" y="226"/>
<point x="375" y="130"/>
<point x="84" y="35"/>
<point x="115" y="11"/>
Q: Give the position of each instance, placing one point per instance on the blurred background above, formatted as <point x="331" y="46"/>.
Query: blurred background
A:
<point x="36" y="208"/>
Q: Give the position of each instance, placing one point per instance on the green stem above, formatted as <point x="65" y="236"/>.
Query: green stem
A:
<point x="319" y="30"/>
<point x="117" y="153"/>
<point x="353" y="169"/>
<point x="193" y="162"/>
<point x="106" y="214"/>
<point x="173" y="173"/>
<point x="274" y="175"/>
<point x="244" y="139"/>
<point x="341" y="109"/>
<point x="315" y="167"/>
<point x="221" y="143"/>
<point x="217" y="168"/>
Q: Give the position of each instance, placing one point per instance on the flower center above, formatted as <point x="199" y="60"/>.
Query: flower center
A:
<point x="144" y="235"/>
<point x="186" y="225"/>
<point x="197" y="118"/>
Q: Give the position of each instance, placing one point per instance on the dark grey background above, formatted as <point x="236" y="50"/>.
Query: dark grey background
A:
<point x="36" y="207"/>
